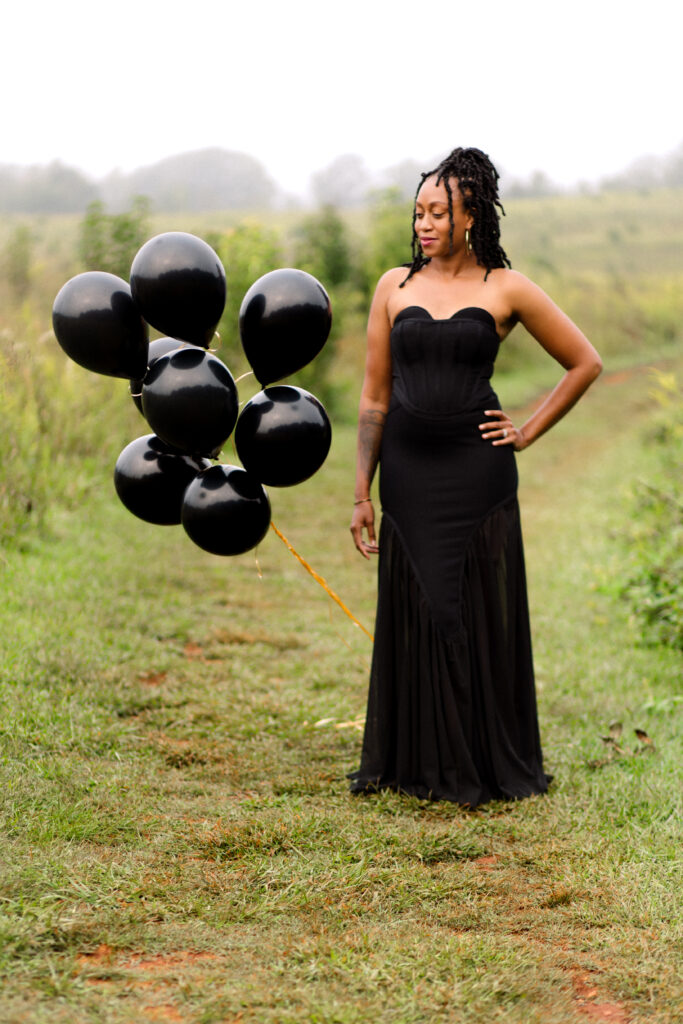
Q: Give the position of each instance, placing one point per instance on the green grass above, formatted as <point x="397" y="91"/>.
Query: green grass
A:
<point x="178" y="840"/>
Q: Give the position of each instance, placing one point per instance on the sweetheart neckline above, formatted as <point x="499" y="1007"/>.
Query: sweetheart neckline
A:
<point x="445" y="319"/>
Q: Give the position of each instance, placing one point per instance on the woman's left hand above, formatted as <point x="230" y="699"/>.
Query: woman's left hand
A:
<point x="501" y="430"/>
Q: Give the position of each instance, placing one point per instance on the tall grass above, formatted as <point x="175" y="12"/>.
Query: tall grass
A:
<point x="60" y="423"/>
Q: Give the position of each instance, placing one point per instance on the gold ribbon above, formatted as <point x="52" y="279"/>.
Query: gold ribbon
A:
<point x="319" y="579"/>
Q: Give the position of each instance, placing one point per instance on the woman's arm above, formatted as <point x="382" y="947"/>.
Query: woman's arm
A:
<point x="563" y="340"/>
<point x="374" y="402"/>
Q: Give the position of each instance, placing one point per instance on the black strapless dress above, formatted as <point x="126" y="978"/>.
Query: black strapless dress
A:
<point x="452" y="705"/>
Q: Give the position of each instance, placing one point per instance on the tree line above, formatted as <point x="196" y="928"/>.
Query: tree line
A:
<point x="213" y="179"/>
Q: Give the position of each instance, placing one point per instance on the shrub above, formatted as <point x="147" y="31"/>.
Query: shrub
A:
<point x="653" y="540"/>
<point x="17" y="262"/>
<point x="109" y="242"/>
<point x="64" y="426"/>
<point x="389" y="238"/>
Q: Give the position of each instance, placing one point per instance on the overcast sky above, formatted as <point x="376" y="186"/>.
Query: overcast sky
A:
<point x="576" y="89"/>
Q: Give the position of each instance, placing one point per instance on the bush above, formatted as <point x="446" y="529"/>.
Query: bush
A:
<point x="65" y="427"/>
<point x="655" y="588"/>
<point x="109" y="242"/>
<point x="17" y="263"/>
<point x="389" y="239"/>
<point x="322" y="247"/>
<point x="653" y="540"/>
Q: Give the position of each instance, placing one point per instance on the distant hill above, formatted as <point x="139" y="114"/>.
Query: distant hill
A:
<point x="54" y="188"/>
<point x="213" y="179"/>
<point x="203" y="180"/>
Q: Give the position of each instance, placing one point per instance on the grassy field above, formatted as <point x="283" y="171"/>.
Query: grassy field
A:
<point x="178" y="843"/>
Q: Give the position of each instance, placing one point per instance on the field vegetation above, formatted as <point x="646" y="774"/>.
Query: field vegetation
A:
<point x="178" y="839"/>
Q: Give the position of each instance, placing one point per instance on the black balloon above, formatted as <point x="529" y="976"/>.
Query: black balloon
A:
<point x="190" y="400"/>
<point x="151" y="479"/>
<point x="283" y="435"/>
<point x="157" y="349"/>
<point x="284" y="321"/>
<point x="226" y="510"/>
<point x="99" y="326"/>
<point x="178" y="283"/>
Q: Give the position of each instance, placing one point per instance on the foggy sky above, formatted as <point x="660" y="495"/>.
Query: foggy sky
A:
<point x="577" y="90"/>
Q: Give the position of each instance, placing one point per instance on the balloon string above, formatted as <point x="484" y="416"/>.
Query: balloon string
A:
<point x="318" y="578"/>
<point x="247" y="374"/>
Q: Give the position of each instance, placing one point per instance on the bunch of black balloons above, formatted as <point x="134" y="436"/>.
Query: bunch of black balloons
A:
<point x="189" y="397"/>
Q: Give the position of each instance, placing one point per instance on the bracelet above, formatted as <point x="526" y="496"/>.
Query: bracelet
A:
<point x="361" y="500"/>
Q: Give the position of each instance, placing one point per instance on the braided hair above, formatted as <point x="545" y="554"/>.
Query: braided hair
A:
<point x="478" y="183"/>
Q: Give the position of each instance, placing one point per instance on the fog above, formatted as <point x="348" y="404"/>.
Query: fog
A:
<point x="577" y="91"/>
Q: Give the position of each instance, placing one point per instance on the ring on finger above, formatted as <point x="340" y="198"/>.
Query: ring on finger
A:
<point x="505" y="433"/>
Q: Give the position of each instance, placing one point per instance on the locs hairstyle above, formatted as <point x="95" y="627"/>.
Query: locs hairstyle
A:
<point x="478" y="182"/>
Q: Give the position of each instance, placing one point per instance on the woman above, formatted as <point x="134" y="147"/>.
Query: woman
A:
<point x="452" y="707"/>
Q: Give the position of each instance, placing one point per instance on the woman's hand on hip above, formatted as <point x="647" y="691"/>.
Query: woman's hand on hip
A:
<point x="500" y="430"/>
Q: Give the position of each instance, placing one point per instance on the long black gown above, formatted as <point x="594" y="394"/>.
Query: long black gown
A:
<point x="452" y="706"/>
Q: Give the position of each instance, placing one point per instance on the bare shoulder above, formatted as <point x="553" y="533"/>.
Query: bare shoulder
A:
<point x="516" y="287"/>
<point x="391" y="279"/>
<point x="387" y="288"/>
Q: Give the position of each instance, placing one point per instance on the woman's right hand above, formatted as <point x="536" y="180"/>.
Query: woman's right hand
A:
<point x="363" y="522"/>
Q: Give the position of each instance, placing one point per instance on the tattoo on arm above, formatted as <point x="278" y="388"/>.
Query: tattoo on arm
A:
<point x="370" y="427"/>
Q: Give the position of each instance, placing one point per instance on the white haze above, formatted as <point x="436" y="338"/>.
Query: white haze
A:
<point x="576" y="90"/>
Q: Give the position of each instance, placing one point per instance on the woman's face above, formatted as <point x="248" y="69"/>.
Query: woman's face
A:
<point x="432" y="223"/>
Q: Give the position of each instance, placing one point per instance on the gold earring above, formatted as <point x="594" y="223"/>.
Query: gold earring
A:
<point x="468" y="242"/>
